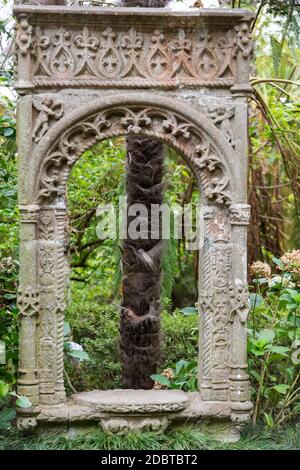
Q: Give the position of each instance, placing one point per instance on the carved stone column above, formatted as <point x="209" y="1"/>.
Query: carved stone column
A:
<point x="215" y="282"/>
<point x="239" y="379"/>
<point x="243" y="49"/>
<point x="28" y="302"/>
<point x="62" y="276"/>
<point x="23" y="44"/>
<point x="52" y="291"/>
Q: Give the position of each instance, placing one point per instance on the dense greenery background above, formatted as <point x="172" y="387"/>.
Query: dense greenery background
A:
<point x="95" y="291"/>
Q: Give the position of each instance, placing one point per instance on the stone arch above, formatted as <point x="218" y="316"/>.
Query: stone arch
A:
<point x="223" y="294"/>
<point x="197" y="104"/>
<point x="188" y="131"/>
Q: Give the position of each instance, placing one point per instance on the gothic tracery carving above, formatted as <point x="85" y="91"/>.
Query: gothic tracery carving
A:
<point x="72" y="55"/>
<point x="155" y="121"/>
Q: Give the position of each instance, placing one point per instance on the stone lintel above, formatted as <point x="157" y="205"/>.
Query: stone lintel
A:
<point x="216" y="15"/>
<point x="203" y="48"/>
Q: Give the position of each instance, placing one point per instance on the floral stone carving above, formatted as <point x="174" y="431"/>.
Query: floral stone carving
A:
<point x="85" y="75"/>
<point x="146" y="51"/>
<point x="139" y="120"/>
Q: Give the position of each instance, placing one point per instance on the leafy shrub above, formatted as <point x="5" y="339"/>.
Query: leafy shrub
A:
<point x="8" y="256"/>
<point x="183" y="376"/>
<point x="96" y="328"/>
<point x="274" y="343"/>
<point x="8" y="320"/>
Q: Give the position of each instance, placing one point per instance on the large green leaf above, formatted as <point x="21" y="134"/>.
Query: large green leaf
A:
<point x="161" y="379"/>
<point x="82" y="355"/>
<point x="255" y="300"/>
<point x="281" y="388"/>
<point x="189" y="311"/>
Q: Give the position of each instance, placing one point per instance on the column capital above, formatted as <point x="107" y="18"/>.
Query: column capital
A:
<point x="29" y="213"/>
<point x="240" y="214"/>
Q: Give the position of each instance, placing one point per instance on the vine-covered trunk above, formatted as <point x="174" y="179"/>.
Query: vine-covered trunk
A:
<point x="142" y="259"/>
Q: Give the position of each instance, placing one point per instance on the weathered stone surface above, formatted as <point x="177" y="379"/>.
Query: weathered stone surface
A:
<point x="183" y="78"/>
<point x="135" y="414"/>
<point x="133" y="401"/>
<point x="121" y="426"/>
<point x="114" y="47"/>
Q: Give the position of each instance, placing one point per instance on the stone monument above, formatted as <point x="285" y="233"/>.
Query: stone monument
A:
<point x="89" y="74"/>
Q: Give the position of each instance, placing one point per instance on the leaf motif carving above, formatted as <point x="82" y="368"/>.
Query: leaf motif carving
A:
<point x="156" y="122"/>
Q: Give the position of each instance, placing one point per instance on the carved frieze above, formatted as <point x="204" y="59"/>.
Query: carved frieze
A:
<point x="211" y="167"/>
<point x="97" y="55"/>
<point x="47" y="265"/>
<point x="220" y="111"/>
<point x="239" y="301"/>
<point x="116" y="55"/>
<point x="224" y="301"/>
<point x="243" y="41"/>
<point x="221" y="115"/>
<point x="220" y="306"/>
<point x="120" y="426"/>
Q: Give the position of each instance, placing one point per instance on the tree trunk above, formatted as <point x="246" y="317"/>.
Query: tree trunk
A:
<point x="142" y="259"/>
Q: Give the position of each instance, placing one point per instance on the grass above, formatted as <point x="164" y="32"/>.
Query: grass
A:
<point x="190" y="439"/>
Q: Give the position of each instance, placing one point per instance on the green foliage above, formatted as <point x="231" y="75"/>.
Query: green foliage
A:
<point x="182" y="439"/>
<point x="96" y="328"/>
<point x="7" y="415"/>
<point x="183" y="376"/>
<point x="98" y="178"/>
<point x="180" y="338"/>
<point x="273" y="348"/>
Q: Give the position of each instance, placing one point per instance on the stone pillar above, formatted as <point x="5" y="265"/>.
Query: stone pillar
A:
<point x="239" y="379"/>
<point x="23" y="43"/>
<point x="52" y="275"/>
<point x="215" y="282"/>
<point x="243" y="49"/>
<point x="28" y="302"/>
<point x="62" y="276"/>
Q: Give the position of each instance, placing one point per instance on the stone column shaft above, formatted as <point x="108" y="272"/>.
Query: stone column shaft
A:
<point x="28" y="302"/>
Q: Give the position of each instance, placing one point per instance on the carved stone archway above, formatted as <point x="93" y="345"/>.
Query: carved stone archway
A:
<point x="184" y="83"/>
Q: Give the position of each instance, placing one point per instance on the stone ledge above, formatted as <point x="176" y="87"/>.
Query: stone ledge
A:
<point x="133" y="401"/>
<point x="96" y="405"/>
<point x="123" y="411"/>
<point x="218" y="14"/>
